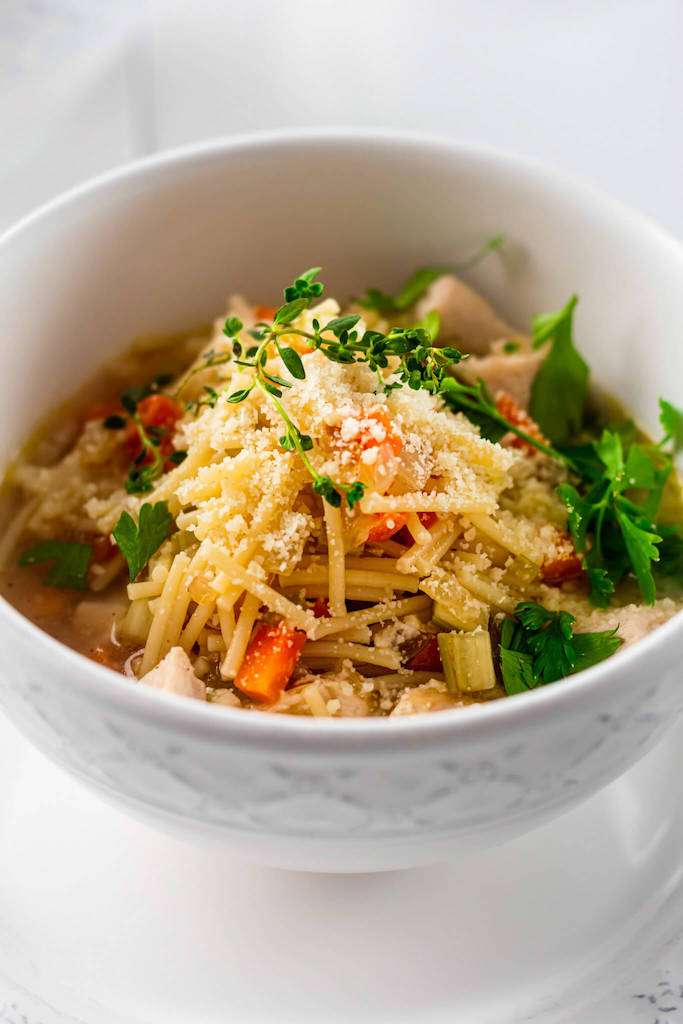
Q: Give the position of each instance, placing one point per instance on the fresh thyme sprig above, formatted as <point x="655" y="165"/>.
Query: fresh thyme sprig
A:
<point x="476" y="402"/>
<point x="142" y="473"/>
<point x="209" y="359"/>
<point x="418" y="364"/>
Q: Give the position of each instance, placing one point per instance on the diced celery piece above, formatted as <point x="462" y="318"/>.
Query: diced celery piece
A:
<point x="467" y="661"/>
<point x="520" y="572"/>
<point x="461" y="616"/>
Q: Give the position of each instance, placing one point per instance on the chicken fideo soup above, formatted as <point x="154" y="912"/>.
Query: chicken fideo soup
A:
<point x="399" y="506"/>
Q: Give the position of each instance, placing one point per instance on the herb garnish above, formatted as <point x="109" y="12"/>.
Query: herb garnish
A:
<point x="70" y="559"/>
<point x="538" y="646"/>
<point x="209" y="360"/>
<point x="558" y="393"/>
<point x="418" y="283"/>
<point x="139" y="541"/>
<point x="619" y="508"/>
<point x="420" y="364"/>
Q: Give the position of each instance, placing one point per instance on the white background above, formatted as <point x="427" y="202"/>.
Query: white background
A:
<point x="592" y="86"/>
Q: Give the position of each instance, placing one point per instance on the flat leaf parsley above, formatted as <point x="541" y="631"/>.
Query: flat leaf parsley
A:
<point x="139" y="541"/>
<point x="538" y="646"/>
<point x="70" y="562"/>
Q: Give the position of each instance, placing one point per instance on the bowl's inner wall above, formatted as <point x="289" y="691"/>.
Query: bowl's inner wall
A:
<point x="160" y="249"/>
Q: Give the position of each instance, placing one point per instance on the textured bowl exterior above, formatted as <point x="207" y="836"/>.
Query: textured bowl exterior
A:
<point x="326" y="795"/>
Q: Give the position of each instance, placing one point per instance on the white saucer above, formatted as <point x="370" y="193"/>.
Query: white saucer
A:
<point x="103" y="921"/>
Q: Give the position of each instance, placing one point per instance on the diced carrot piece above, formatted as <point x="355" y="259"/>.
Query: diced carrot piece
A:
<point x="159" y="412"/>
<point x="427" y="658"/>
<point x="507" y="407"/>
<point x="370" y="438"/>
<point x="269" y="662"/>
<point x="264" y="313"/>
<point x="385" y="525"/>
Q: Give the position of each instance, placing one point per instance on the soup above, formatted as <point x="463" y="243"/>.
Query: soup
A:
<point x="404" y="505"/>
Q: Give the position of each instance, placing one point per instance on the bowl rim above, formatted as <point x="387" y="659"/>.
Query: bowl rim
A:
<point x="349" y="734"/>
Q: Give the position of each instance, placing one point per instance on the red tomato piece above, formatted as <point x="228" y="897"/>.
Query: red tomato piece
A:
<point x="427" y="658"/>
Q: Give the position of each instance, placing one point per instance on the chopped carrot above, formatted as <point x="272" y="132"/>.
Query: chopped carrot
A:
<point x="159" y="412"/>
<point x="371" y="437"/>
<point x="427" y="659"/>
<point x="385" y="525"/>
<point x="264" y="313"/>
<point x="269" y="662"/>
<point x="507" y="407"/>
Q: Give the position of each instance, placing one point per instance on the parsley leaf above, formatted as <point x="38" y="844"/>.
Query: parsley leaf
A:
<point x="640" y="543"/>
<point x="671" y="420"/>
<point x="70" y="562"/>
<point x="623" y="533"/>
<point x="139" y="541"/>
<point x="558" y="393"/>
<point x="418" y="283"/>
<point x="538" y="647"/>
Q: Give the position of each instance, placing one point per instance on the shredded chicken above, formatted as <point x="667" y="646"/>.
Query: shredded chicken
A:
<point x="465" y="316"/>
<point x="174" y="674"/>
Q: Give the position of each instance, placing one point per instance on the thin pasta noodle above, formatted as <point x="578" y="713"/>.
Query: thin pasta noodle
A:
<point x="354" y="652"/>
<point x="226" y="620"/>
<point x="418" y="532"/>
<point x="162" y="611"/>
<point x="316" y="590"/>
<point x="273" y="600"/>
<point x="149" y="588"/>
<point x="423" y="557"/>
<point x="232" y="662"/>
<point x="169" y="484"/>
<point x="335" y="556"/>
<point x="354" y="577"/>
<point x="177" y="613"/>
<point x="369" y="616"/>
<point x="199" y="618"/>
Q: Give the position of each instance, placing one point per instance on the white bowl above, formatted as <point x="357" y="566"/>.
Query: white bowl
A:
<point x="157" y="246"/>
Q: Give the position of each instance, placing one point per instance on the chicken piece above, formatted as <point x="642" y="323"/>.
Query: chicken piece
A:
<point x="174" y="674"/>
<point x="511" y="372"/>
<point x="466" y="318"/>
<point x="431" y="696"/>
<point x="226" y="698"/>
